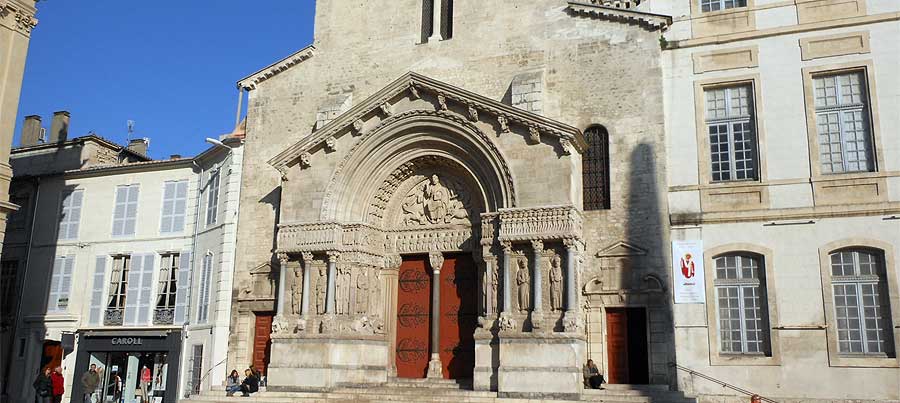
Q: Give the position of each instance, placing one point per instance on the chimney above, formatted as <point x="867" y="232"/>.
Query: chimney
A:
<point x="59" y="127"/>
<point x="175" y="157"/>
<point x="31" y="131"/>
<point x="139" y="146"/>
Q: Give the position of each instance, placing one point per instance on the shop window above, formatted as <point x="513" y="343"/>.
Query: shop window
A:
<point x="118" y="285"/>
<point x="138" y="377"/>
<point x="167" y="290"/>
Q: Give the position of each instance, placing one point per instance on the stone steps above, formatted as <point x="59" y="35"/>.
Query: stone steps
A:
<point x="402" y="390"/>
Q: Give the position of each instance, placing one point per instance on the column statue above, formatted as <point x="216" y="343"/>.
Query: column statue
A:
<point x="556" y="278"/>
<point x="321" y="290"/>
<point x="522" y="280"/>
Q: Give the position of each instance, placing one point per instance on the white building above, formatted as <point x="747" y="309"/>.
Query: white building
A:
<point x="132" y="257"/>
<point x="784" y="161"/>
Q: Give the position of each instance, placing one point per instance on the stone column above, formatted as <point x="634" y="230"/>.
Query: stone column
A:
<point x="504" y="281"/>
<point x="537" y="302"/>
<point x="390" y="278"/>
<point x="571" y="286"/>
<point x="490" y="303"/>
<point x="307" y="268"/>
<point x="435" y="368"/>
<point x="332" y="269"/>
<point x="282" y="283"/>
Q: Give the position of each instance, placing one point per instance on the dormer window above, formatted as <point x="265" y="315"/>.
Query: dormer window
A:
<point x="437" y="20"/>
<point x="716" y="5"/>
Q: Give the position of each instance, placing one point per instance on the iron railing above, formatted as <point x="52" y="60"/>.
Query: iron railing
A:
<point x="721" y="382"/>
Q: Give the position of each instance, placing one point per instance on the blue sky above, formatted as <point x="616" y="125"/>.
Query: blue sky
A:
<point x="169" y="65"/>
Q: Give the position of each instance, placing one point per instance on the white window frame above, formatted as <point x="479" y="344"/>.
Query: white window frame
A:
<point x="167" y="224"/>
<point x="706" y="6"/>
<point x="69" y="214"/>
<point x="858" y="280"/>
<point x="741" y="284"/>
<point x="840" y="109"/>
<point x="728" y="120"/>
<point x="126" y="205"/>
<point x="212" y="197"/>
<point x="121" y="291"/>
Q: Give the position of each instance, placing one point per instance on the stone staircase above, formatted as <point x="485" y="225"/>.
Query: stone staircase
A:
<point x="415" y="390"/>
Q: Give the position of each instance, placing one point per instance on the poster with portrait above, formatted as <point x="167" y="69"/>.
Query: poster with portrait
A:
<point x="687" y="265"/>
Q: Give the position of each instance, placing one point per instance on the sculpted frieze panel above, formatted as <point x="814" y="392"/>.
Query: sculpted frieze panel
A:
<point x="433" y="201"/>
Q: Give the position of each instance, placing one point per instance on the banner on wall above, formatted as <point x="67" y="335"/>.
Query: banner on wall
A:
<point x="687" y="265"/>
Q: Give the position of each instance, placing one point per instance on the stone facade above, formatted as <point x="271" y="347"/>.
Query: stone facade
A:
<point x="440" y="162"/>
<point x="791" y="214"/>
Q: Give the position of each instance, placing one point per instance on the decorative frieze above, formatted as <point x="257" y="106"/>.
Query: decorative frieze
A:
<point x="540" y="223"/>
<point x="310" y="237"/>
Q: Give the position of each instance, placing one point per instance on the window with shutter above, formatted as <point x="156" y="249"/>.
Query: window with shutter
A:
<point x="125" y="212"/>
<point x="70" y="214"/>
<point x="184" y="288"/>
<point x="145" y="291"/>
<point x="96" y="309"/>
<point x="173" y="207"/>
<point x="167" y="290"/>
<point x="60" y="284"/>
<point x="212" y="198"/>
<point x="205" y="280"/>
<point x="133" y="290"/>
<point x="118" y="286"/>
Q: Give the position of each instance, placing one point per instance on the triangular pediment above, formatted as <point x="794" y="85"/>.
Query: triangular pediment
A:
<point x="621" y="249"/>
<point x="448" y="98"/>
<point x="264" y="268"/>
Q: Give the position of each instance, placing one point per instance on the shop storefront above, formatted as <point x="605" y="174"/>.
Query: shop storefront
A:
<point x="138" y="366"/>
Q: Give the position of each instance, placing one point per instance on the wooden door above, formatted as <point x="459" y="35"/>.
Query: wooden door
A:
<point x="413" y="318"/>
<point x="617" y="345"/>
<point x="262" y="344"/>
<point x="459" y="316"/>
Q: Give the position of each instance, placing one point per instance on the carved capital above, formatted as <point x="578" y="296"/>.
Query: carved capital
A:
<point x="436" y="259"/>
<point x="506" y="247"/>
<point x="571" y="243"/>
<point x="307" y="258"/>
<point x="283" y="258"/>
<point x="333" y="256"/>
<point x="393" y="261"/>
<point x="537" y="245"/>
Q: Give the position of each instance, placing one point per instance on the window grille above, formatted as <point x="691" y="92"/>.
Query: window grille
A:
<point x="741" y="298"/>
<point x="860" y="302"/>
<point x="732" y="135"/>
<point x="595" y="170"/>
<point x="842" y="123"/>
<point x="716" y="5"/>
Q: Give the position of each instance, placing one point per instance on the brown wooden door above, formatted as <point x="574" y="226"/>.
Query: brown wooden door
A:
<point x="459" y="316"/>
<point x="617" y="345"/>
<point x="262" y="344"/>
<point x="413" y="318"/>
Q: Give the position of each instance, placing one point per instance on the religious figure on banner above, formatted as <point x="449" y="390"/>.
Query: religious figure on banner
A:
<point x="321" y="290"/>
<point x="556" y="278"/>
<point x="687" y="265"/>
<point x="523" y="279"/>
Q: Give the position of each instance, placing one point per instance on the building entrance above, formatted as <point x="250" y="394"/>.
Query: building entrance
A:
<point x="626" y="343"/>
<point x="456" y="324"/>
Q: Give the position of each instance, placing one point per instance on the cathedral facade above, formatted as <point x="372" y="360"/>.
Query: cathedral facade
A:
<point x="457" y="190"/>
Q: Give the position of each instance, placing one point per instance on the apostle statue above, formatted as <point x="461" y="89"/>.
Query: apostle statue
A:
<point x="321" y="290"/>
<point x="362" y="292"/>
<point x="522" y="279"/>
<point x="342" y="305"/>
<point x="296" y="291"/>
<point x="556" y="278"/>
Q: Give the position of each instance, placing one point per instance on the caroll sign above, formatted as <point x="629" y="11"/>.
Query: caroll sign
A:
<point x="687" y="265"/>
<point x="127" y="341"/>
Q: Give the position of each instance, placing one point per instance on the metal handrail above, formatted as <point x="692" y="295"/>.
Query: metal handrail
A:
<point x="720" y="382"/>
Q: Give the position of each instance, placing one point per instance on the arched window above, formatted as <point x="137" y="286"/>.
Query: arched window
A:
<point x="742" y="314"/>
<point x="595" y="169"/>
<point x="862" y="311"/>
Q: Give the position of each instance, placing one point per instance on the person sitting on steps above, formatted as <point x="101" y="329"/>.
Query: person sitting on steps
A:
<point x="250" y="383"/>
<point x="592" y="377"/>
<point x="232" y="383"/>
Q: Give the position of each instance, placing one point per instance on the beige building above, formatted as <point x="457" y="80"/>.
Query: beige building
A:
<point x="458" y="190"/>
<point x="16" y="22"/>
<point x="783" y="165"/>
<point x="119" y="261"/>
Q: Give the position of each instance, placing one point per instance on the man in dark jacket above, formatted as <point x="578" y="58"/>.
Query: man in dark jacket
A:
<point x="250" y="384"/>
<point x="91" y="381"/>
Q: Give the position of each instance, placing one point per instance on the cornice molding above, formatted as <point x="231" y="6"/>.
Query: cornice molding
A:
<point x="620" y="11"/>
<point x="415" y="85"/>
<point x="276" y="68"/>
<point x="18" y="16"/>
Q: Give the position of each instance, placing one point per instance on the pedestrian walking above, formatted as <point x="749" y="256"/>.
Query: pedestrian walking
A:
<point x="43" y="387"/>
